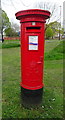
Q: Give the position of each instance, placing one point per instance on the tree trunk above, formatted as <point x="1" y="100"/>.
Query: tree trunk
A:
<point x="2" y="34"/>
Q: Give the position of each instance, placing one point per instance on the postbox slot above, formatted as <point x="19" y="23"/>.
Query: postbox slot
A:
<point x="33" y="28"/>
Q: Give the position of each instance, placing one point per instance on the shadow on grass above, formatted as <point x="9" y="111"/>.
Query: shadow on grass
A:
<point x="10" y="45"/>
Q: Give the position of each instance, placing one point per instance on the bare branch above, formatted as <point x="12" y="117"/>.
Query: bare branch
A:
<point x="52" y="7"/>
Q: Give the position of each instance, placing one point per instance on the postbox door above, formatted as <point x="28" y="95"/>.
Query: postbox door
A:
<point x="32" y="57"/>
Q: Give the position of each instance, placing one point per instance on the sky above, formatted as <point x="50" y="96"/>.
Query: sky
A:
<point x="13" y="6"/>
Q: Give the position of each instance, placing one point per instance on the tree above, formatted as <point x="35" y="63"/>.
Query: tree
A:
<point x="10" y="32"/>
<point x="15" y="27"/>
<point x="56" y="27"/>
<point x="5" y="23"/>
<point x="7" y="27"/>
<point x="49" y="33"/>
<point x="52" y="7"/>
<point x="13" y="30"/>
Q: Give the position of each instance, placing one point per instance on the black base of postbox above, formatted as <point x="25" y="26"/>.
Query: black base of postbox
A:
<point x="31" y="98"/>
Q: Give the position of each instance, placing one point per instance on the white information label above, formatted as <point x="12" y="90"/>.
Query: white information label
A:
<point x="33" y="42"/>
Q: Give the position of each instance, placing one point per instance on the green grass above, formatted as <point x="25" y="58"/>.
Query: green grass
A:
<point x="54" y="49"/>
<point x="58" y="52"/>
<point x="52" y="105"/>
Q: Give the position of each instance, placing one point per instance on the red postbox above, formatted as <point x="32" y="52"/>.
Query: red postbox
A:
<point x="32" y="47"/>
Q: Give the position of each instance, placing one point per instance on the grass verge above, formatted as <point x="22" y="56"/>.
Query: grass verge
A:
<point x="57" y="52"/>
<point x="52" y="105"/>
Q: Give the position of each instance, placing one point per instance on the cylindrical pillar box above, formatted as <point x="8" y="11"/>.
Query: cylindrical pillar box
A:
<point x="32" y="51"/>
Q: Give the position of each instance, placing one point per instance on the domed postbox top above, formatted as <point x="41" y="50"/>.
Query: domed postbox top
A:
<point x="32" y="13"/>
